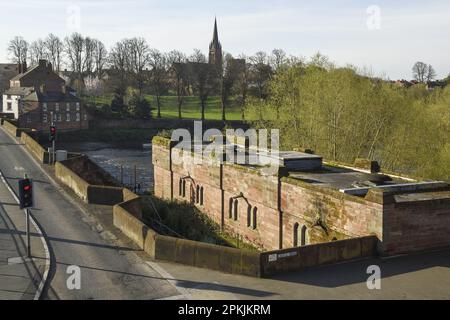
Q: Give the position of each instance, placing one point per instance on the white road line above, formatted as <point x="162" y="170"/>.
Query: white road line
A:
<point x="40" y="288"/>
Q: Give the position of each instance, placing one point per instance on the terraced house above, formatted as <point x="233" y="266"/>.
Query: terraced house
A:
<point x="38" y="95"/>
<point x="307" y="201"/>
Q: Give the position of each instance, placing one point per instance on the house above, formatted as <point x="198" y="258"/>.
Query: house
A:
<point x="39" y="95"/>
<point x="7" y="72"/>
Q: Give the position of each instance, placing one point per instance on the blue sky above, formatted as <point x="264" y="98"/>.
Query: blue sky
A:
<point x="406" y="31"/>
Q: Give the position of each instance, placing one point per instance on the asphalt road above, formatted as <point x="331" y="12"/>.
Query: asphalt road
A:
<point x="107" y="271"/>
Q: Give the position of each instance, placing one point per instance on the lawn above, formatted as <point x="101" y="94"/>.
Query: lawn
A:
<point x="191" y="107"/>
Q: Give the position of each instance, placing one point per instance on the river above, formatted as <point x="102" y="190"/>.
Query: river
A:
<point x="112" y="158"/>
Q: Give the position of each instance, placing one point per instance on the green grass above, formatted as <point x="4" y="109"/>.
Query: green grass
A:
<point x="191" y="108"/>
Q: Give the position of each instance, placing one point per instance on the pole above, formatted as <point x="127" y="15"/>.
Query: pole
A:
<point x="28" y="233"/>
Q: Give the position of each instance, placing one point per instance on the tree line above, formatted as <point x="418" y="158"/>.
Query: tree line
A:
<point x="133" y="68"/>
<point x="343" y="114"/>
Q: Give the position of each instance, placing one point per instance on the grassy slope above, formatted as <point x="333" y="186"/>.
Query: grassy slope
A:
<point x="191" y="107"/>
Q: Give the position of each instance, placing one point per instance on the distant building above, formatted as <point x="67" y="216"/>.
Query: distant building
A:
<point x="215" y="49"/>
<point x="38" y="94"/>
<point x="7" y="72"/>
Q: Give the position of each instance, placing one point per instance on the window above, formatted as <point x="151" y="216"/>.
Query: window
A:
<point x="68" y="106"/>
<point x="254" y="218"/>
<point x="68" y="117"/>
<point x="201" y="196"/>
<point x="78" y="117"/>
<point x="58" y="117"/>
<point x="180" y="188"/>
<point x="56" y="106"/>
<point x="44" y="117"/>
<point x="8" y="97"/>
<point x="304" y="231"/>
<point x="230" y="208"/>
<point x="184" y="188"/>
<point x="249" y="216"/>
<point x="235" y="210"/>
<point x="85" y="117"/>
<point x="9" y="106"/>
<point x="78" y="106"/>
<point x="295" y="240"/>
<point x="44" y="107"/>
<point x="197" y="194"/>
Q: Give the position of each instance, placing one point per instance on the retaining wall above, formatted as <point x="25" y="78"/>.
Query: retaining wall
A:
<point x="299" y="258"/>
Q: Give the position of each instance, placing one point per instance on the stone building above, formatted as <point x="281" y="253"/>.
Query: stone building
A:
<point x="38" y="94"/>
<point x="306" y="201"/>
<point x="215" y="49"/>
<point x="7" y="72"/>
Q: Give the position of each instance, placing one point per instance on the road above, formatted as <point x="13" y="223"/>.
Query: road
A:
<point x="107" y="271"/>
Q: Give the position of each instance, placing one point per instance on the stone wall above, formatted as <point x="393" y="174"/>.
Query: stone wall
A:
<point x="299" y="258"/>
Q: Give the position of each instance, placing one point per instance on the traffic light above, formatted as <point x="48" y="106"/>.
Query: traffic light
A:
<point x="52" y="133"/>
<point x="25" y="193"/>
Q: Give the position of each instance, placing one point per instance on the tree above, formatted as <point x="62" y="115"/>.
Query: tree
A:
<point x="139" y="107"/>
<point x="177" y="65"/>
<point x="278" y="59"/>
<point x="242" y="83"/>
<point x="37" y="51"/>
<point x="421" y="72"/>
<point x="100" y="58"/>
<point x="18" y="49"/>
<point x="75" y="49"/>
<point x="139" y="58"/>
<point x="54" y="48"/>
<point x="204" y="80"/>
<point x="158" y="75"/>
<point x="431" y="74"/>
<point x="197" y="56"/>
<point x="232" y="68"/>
<point x="260" y="72"/>
<point x="119" y="61"/>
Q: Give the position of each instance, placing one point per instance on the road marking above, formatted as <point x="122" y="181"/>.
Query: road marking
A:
<point x="184" y="293"/>
<point x="19" y="169"/>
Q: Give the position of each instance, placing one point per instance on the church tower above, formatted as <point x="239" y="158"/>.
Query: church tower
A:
<point x="215" y="49"/>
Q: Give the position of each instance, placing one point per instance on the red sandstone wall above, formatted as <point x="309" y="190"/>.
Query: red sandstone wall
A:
<point x="416" y="226"/>
<point x="343" y="216"/>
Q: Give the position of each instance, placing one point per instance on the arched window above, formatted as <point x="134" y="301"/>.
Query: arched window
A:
<point x="249" y="216"/>
<point x="184" y="188"/>
<point x="254" y="218"/>
<point x="180" y="188"/>
<point x="230" y="208"/>
<point x="197" y="194"/>
<point x="201" y="196"/>
<point x="235" y="210"/>
<point x="304" y="231"/>
<point x="295" y="240"/>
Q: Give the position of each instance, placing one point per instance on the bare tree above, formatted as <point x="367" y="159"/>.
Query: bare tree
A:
<point x="197" y="56"/>
<point x="260" y="72"/>
<point x="74" y="48"/>
<point x="18" y="49"/>
<point x="177" y="65"/>
<point x="242" y="83"/>
<point x="138" y="51"/>
<point x="54" y="50"/>
<point x="37" y="51"/>
<point x="119" y="61"/>
<point x="232" y="68"/>
<point x="89" y="56"/>
<point x="420" y="71"/>
<point x="100" y="58"/>
<point x="431" y="74"/>
<point x="204" y="80"/>
<point x="278" y="59"/>
<point x="158" y="76"/>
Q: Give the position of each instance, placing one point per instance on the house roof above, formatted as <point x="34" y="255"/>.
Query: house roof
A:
<point x="51" y="96"/>
<point x="19" y="91"/>
<point x="21" y="75"/>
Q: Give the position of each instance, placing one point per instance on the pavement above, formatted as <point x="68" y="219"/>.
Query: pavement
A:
<point x="21" y="278"/>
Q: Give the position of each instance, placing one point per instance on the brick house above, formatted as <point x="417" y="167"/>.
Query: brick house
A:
<point x="7" y="72"/>
<point x="307" y="201"/>
<point x="37" y="95"/>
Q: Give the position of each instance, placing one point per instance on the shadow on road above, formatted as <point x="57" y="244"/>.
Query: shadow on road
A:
<point x="356" y="272"/>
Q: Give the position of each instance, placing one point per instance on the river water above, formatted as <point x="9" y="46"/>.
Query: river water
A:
<point x="120" y="162"/>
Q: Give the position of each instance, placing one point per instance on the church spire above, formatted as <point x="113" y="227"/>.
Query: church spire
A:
<point x="215" y="48"/>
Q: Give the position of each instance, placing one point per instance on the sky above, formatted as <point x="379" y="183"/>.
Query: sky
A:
<point x="384" y="37"/>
